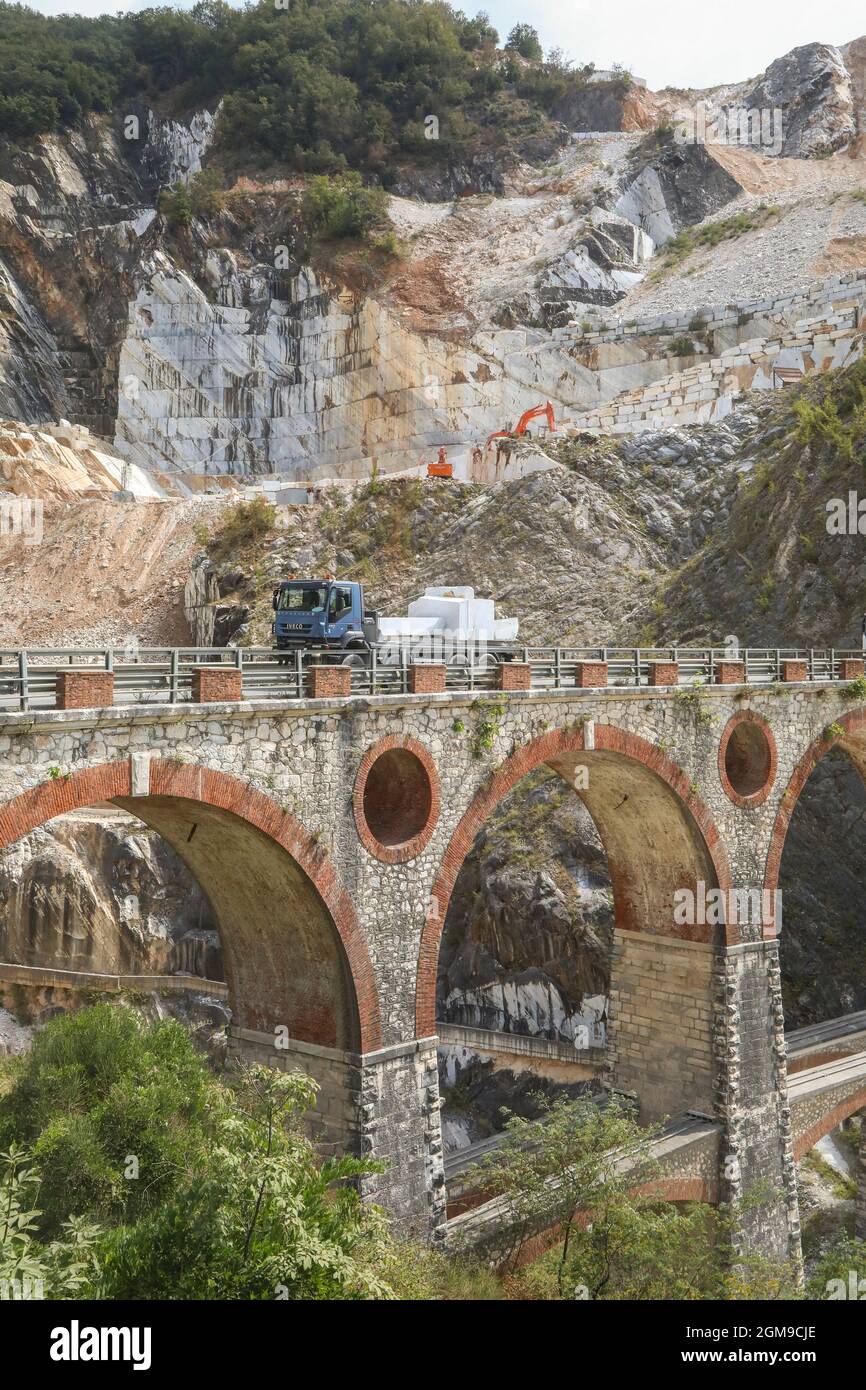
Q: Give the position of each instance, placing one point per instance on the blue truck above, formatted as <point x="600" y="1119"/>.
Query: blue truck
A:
<point x="323" y="614"/>
<point x="329" y="616"/>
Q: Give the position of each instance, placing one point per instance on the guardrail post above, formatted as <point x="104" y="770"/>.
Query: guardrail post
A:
<point x="299" y="673"/>
<point x="557" y="666"/>
<point x="637" y="665"/>
<point x="174" y="676"/>
<point x="23" y="688"/>
<point x="373" y="671"/>
<point x="109" y="659"/>
<point x="811" y="663"/>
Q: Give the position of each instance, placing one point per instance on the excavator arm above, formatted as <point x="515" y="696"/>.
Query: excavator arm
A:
<point x="522" y="423"/>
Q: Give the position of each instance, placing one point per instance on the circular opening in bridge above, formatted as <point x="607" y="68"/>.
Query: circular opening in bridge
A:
<point x="747" y="759"/>
<point x="396" y="799"/>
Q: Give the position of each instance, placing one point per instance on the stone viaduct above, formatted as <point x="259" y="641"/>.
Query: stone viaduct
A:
<point x="328" y="834"/>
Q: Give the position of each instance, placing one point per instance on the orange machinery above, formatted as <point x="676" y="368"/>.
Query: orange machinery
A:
<point x="521" y="426"/>
<point x="441" y="468"/>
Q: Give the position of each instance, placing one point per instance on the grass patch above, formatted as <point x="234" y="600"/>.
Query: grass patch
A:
<point x="833" y="414"/>
<point x="243" y="525"/>
<point x="680" y="247"/>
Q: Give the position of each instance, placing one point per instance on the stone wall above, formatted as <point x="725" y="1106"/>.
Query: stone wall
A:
<point x="661" y="1036"/>
<point x="810" y="302"/>
<point x="706" y="390"/>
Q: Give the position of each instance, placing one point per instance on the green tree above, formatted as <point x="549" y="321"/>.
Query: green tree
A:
<point x="580" y="1173"/>
<point x="98" y="1089"/>
<point x="261" y="1219"/>
<point x="342" y="206"/>
<point x="176" y="206"/>
<point x="524" y="40"/>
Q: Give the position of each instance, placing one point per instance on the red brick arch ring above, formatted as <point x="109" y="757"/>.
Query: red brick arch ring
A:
<point x="295" y="953"/>
<point x="396" y="799"/>
<point x="753" y="764"/>
<point x="853" y="741"/>
<point x="827" y="1123"/>
<point x="656" y="830"/>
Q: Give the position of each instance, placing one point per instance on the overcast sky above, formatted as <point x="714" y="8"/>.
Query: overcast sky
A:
<point x="669" y="42"/>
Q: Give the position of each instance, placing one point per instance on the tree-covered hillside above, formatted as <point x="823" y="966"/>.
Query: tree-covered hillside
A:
<point x="311" y="84"/>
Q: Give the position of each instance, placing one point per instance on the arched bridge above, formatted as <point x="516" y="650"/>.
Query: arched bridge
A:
<point x="328" y="830"/>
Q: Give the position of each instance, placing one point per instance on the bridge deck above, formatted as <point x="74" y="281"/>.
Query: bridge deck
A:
<point x="681" y="1134"/>
<point x="28" y="678"/>
<point x="816" y="1035"/>
<point x="48" y="976"/>
<point x="842" y="1071"/>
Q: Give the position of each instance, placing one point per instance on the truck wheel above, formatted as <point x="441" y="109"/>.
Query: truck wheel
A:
<point x="357" y="660"/>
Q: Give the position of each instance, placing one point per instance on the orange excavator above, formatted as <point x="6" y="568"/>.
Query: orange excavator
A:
<point x="441" y="468"/>
<point x="520" y="428"/>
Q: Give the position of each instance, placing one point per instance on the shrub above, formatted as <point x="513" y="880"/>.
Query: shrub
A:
<point x="176" y="206"/>
<point x="342" y="206"/>
<point x="242" y="525"/>
<point x="97" y="1087"/>
<point x="681" y="347"/>
<point x="833" y="414"/>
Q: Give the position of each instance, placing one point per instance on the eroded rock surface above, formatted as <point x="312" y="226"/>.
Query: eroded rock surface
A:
<point x="101" y="893"/>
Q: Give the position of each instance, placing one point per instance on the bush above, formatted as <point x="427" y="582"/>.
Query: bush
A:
<point x="97" y="1088"/>
<point x="833" y="413"/>
<point x="342" y="206"/>
<point x="230" y="1202"/>
<point x="175" y="205"/>
<point x="681" y="347"/>
<point x="242" y="525"/>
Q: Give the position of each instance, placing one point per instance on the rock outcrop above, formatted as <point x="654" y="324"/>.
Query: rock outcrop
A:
<point x="526" y="944"/>
<point x="106" y="895"/>
<point x="813" y="89"/>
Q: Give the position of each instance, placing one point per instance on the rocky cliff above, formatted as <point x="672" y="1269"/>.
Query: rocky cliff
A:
<point x="100" y="892"/>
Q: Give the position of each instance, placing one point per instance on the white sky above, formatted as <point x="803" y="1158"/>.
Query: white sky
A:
<point x="679" y="43"/>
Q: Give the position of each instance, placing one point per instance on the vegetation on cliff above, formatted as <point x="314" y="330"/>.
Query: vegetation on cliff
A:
<point x="782" y="569"/>
<point x="317" y="85"/>
<point x="128" y="1169"/>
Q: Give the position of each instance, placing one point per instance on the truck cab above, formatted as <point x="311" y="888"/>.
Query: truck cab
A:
<point x="325" y="613"/>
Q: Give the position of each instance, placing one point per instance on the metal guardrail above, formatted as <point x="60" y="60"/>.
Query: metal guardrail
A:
<point x="163" y="675"/>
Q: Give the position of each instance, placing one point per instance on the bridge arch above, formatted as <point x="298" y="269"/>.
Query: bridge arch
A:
<point x="829" y="1121"/>
<point x="294" y="950"/>
<point x="657" y="833"/>
<point x="852" y="740"/>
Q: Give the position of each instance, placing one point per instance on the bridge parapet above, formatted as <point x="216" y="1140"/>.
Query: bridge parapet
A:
<point x="63" y="677"/>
